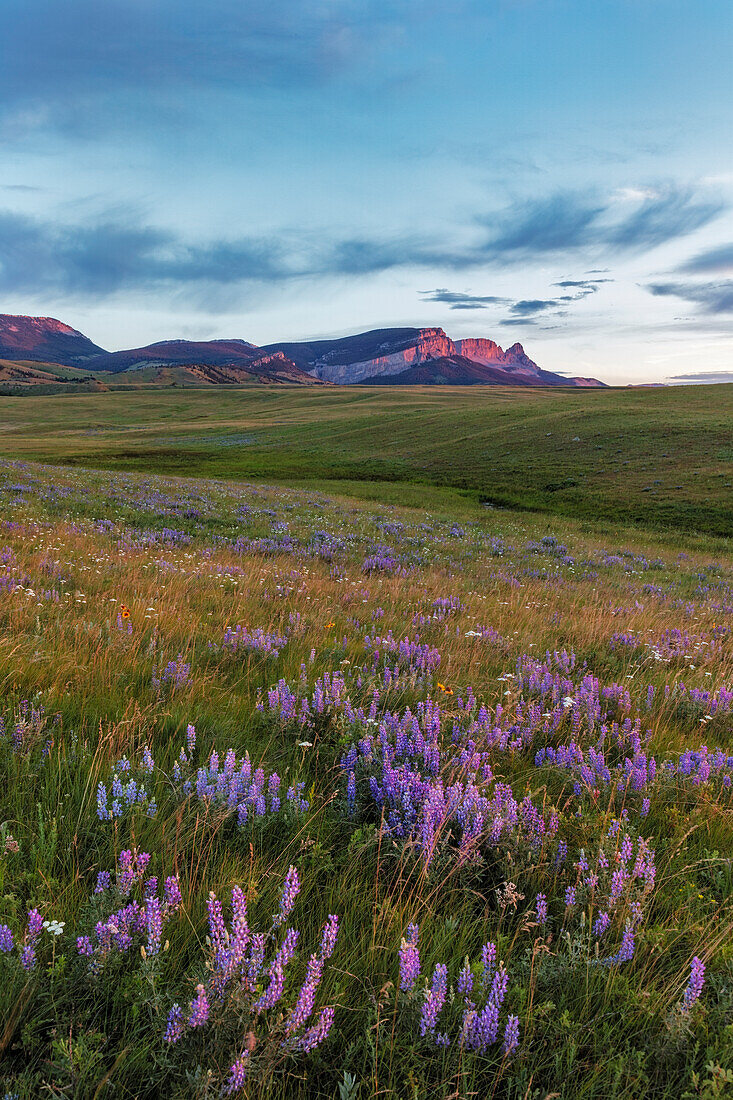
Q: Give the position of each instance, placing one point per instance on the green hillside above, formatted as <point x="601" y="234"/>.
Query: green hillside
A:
<point x="656" y="457"/>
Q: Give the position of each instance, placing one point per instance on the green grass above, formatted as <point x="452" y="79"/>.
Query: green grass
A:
<point x="77" y="544"/>
<point x="657" y="458"/>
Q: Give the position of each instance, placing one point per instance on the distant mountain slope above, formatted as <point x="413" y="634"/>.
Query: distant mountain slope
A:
<point x="399" y="357"/>
<point x="268" y="369"/>
<point x="396" y="356"/>
<point x="44" y="340"/>
<point x="209" y="352"/>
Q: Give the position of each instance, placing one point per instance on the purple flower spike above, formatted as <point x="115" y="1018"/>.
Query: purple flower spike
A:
<point x="695" y="984"/>
<point x="328" y="940"/>
<point x="291" y="889"/>
<point x="409" y="955"/>
<point x="511" y="1035"/>
<point x="434" y="1000"/>
<point x="316" y="1034"/>
<point x="199" y="1008"/>
<point x="237" y="1075"/>
<point x="175" y="1026"/>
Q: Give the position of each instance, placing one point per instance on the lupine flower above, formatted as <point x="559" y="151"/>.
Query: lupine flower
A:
<point x="237" y="1074"/>
<point x="488" y="961"/>
<point x="695" y="984"/>
<point x="175" y="1025"/>
<point x="199" y="1014"/>
<point x="434" y="1000"/>
<point x="172" y="892"/>
<point x="154" y="922"/>
<point x="328" y="939"/>
<point x="291" y="889"/>
<point x="511" y="1034"/>
<point x="104" y="881"/>
<point x="6" y="939"/>
<point x="316" y="1034"/>
<point x="541" y="909"/>
<point x="409" y="956"/>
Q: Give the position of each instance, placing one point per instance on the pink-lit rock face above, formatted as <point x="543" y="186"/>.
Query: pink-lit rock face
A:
<point x="490" y="354"/>
<point x="397" y="355"/>
<point x="43" y="339"/>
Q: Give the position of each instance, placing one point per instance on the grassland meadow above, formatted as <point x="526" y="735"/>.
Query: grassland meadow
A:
<point x="310" y="797"/>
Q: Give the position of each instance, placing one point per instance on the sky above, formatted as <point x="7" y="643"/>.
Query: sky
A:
<point x="553" y="172"/>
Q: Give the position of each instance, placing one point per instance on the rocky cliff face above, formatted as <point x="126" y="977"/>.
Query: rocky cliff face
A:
<point x="390" y="358"/>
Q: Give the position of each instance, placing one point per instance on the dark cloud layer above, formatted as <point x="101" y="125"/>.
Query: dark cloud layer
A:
<point x="121" y="254"/>
<point x="712" y="261"/>
<point x="109" y="257"/>
<point x="713" y="298"/>
<point x="671" y="213"/>
<point x="457" y="299"/>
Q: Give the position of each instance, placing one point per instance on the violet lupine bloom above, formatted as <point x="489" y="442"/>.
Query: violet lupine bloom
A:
<point x="291" y="889"/>
<point x="409" y="959"/>
<point x="237" y="1074"/>
<point x="626" y="951"/>
<point x="695" y="984"/>
<point x="306" y="997"/>
<point x="240" y="929"/>
<point x="175" y="1025"/>
<point x="172" y="892"/>
<point x="104" y="881"/>
<point x="316" y="1034"/>
<point x="199" y="1008"/>
<point x="216" y="925"/>
<point x="488" y="960"/>
<point x="28" y="957"/>
<point x="328" y="939"/>
<point x="465" y="980"/>
<point x="541" y="909"/>
<point x="274" y="991"/>
<point x="6" y="939"/>
<point x="600" y="925"/>
<point x="511" y="1035"/>
<point x="35" y="925"/>
<point x="154" y="924"/>
<point x="434" y="1000"/>
<point x="103" y="812"/>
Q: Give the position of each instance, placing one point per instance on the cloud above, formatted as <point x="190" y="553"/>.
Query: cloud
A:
<point x="589" y="285"/>
<point x="704" y="376"/>
<point x="712" y="298"/>
<point x="664" y="216"/>
<point x="532" y="306"/>
<point x="119" y="253"/>
<point x="573" y="221"/>
<point x="103" y="259"/>
<point x="713" y="261"/>
<point x="457" y="299"/>
<point x="561" y="223"/>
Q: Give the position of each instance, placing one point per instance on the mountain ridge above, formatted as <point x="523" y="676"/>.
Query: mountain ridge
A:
<point x="389" y="356"/>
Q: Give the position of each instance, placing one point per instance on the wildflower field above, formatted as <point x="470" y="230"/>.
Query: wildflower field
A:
<point x="304" y="796"/>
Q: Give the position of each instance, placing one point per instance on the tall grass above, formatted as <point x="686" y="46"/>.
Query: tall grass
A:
<point x="190" y="559"/>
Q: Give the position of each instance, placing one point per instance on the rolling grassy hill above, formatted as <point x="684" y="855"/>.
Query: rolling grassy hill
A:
<point x="654" y="457"/>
